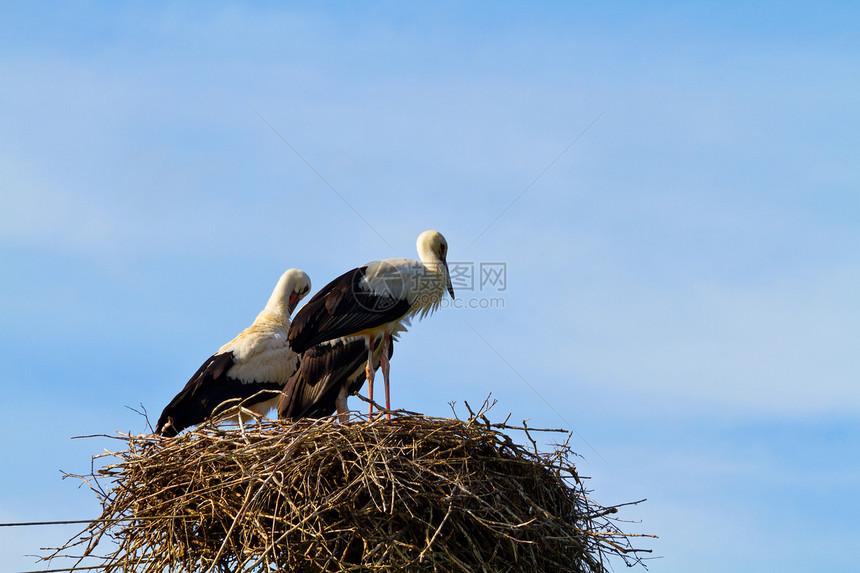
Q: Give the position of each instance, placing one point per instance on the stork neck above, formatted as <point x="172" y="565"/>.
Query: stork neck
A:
<point x="435" y="267"/>
<point x="277" y="306"/>
<point x="279" y="318"/>
<point x="430" y="259"/>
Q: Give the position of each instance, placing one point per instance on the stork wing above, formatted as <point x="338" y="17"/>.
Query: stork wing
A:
<point x="311" y="392"/>
<point x="343" y="307"/>
<point x="205" y="391"/>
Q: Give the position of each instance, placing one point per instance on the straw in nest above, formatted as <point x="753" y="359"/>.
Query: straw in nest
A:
<point x="410" y="494"/>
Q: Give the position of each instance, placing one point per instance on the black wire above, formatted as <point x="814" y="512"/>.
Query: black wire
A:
<point x="79" y="568"/>
<point x="26" y="523"/>
<point x="74" y="521"/>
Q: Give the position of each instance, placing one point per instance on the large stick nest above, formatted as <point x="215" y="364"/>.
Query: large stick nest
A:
<point x="410" y="494"/>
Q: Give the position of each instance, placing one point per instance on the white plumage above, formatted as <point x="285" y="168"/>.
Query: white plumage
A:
<point x="249" y="370"/>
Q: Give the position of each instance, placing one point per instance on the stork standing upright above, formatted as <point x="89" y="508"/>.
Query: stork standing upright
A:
<point x="249" y="371"/>
<point x="376" y="300"/>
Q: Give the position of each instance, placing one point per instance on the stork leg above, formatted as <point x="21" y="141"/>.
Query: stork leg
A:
<point x="340" y="402"/>
<point x="386" y="341"/>
<point x="369" y="373"/>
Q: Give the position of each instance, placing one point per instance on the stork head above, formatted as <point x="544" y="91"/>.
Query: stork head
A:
<point x="292" y="287"/>
<point x="298" y="286"/>
<point x="433" y="249"/>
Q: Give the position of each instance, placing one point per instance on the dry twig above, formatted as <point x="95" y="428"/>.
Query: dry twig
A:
<point x="413" y="493"/>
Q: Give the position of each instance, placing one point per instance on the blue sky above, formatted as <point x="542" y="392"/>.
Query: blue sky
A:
<point x="681" y="281"/>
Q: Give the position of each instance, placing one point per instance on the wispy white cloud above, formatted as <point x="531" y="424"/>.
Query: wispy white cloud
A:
<point x="785" y="345"/>
<point x="694" y="252"/>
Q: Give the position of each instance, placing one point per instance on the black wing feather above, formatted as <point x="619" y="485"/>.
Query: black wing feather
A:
<point x="342" y="308"/>
<point x="312" y="390"/>
<point x="205" y="391"/>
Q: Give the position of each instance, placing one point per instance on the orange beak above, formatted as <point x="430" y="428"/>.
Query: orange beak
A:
<point x="294" y="300"/>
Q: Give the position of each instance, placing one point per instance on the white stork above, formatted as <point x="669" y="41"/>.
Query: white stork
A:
<point x="376" y="300"/>
<point x="250" y="370"/>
